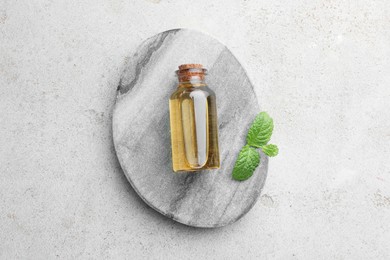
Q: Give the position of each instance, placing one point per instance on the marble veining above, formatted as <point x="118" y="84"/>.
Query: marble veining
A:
<point x="142" y="136"/>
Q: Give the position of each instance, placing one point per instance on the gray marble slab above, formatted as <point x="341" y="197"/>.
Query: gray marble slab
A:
<point x="142" y="136"/>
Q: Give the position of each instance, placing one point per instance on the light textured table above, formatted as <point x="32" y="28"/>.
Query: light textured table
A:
<point x="320" y="68"/>
<point x="142" y="135"/>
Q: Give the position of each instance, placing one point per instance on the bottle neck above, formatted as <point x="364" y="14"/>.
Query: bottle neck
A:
<point x="192" y="82"/>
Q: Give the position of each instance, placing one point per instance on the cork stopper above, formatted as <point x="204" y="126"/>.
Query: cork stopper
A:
<point x="188" y="72"/>
<point x="190" y="66"/>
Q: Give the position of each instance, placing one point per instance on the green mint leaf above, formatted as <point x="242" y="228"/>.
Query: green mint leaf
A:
<point x="270" y="150"/>
<point x="247" y="161"/>
<point x="260" y="131"/>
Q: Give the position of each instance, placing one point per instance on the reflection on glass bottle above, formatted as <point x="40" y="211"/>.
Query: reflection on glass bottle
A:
<point x="193" y="119"/>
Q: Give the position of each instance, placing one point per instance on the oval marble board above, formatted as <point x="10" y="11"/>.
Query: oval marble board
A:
<point x="142" y="136"/>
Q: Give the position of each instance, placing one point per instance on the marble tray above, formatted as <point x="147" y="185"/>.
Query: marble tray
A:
<point x="142" y="136"/>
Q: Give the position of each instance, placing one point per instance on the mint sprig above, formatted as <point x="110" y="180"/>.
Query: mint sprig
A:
<point x="258" y="136"/>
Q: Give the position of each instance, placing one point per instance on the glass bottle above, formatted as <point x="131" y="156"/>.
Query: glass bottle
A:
<point x="193" y="120"/>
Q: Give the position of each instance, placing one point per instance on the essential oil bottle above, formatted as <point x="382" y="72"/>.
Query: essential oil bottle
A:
<point x="193" y="120"/>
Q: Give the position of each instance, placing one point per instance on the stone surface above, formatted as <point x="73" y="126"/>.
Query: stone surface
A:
<point x="320" y="68"/>
<point x="142" y="135"/>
